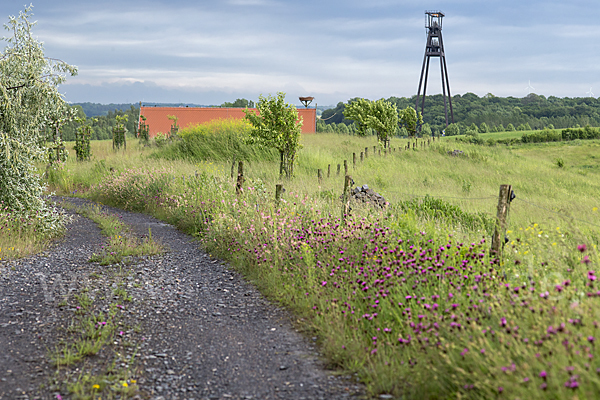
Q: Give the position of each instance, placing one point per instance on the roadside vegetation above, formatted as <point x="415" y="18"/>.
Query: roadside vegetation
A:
<point x="408" y="297"/>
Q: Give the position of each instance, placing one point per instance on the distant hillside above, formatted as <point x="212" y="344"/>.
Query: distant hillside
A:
<point x="97" y="109"/>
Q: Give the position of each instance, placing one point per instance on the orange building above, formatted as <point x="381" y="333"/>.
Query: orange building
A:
<point x="157" y="118"/>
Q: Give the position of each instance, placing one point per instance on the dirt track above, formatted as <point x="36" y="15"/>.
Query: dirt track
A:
<point x="201" y="330"/>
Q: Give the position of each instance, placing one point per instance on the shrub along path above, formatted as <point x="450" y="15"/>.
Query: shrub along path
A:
<point x="193" y="327"/>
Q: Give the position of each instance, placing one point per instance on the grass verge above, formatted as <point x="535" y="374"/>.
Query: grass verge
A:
<point x="408" y="297"/>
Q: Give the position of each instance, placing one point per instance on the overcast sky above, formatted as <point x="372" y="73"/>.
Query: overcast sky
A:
<point x="208" y="52"/>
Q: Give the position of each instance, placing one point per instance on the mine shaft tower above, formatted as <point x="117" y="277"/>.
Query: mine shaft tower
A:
<point x="435" y="48"/>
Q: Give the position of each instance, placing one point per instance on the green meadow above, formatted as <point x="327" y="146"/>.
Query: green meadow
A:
<point x="409" y="296"/>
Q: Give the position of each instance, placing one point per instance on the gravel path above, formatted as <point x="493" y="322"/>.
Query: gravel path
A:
<point x="202" y="331"/>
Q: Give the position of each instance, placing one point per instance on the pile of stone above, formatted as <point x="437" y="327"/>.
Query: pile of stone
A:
<point x="363" y="194"/>
<point x="456" y="153"/>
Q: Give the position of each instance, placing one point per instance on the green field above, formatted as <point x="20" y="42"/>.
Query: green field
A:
<point x="407" y="297"/>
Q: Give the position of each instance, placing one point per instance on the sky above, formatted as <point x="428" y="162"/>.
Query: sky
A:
<point x="209" y="52"/>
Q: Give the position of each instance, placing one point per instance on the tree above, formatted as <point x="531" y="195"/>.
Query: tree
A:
<point x="239" y="103"/>
<point x="30" y="98"/>
<point x="483" y="128"/>
<point x="343" y="129"/>
<point x="426" y="130"/>
<point x="410" y="119"/>
<point x="510" y="127"/>
<point x="380" y="116"/>
<point x="383" y="119"/>
<point x="452" y="130"/>
<point x="358" y="111"/>
<point x="277" y="125"/>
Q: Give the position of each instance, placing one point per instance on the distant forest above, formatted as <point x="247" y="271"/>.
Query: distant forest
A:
<point x="535" y="111"/>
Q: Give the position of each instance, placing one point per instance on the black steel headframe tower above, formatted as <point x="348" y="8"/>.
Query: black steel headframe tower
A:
<point x="435" y="48"/>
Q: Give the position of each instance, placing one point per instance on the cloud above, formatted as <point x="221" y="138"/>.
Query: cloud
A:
<point x="333" y="50"/>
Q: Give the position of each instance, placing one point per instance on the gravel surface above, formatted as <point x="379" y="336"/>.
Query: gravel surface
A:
<point x="201" y="331"/>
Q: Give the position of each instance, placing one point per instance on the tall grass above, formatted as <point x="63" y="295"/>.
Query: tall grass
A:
<point x="222" y="139"/>
<point x="408" y="297"/>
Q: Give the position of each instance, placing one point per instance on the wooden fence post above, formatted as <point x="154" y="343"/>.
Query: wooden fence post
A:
<point x="345" y="167"/>
<point x="328" y="170"/>
<point x="503" y="205"/>
<point x="346" y="197"/>
<point x="366" y="152"/>
<point x="379" y="152"/>
<point x="319" y="176"/>
<point x="361" y="156"/>
<point x="240" y="178"/>
<point x="338" y="169"/>
<point x="353" y="160"/>
<point x="278" y="190"/>
<point x="232" y="166"/>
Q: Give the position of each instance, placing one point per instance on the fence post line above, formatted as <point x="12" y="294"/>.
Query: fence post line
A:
<point x="240" y="178"/>
<point x="328" y="170"/>
<point x="353" y="160"/>
<point x="366" y="152"/>
<point x="346" y="197"/>
<point x="345" y="167"/>
<point x="319" y="176"/>
<point x="338" y="169"/>
<point x="278" y="190"/>
<point x="503" y="205"/>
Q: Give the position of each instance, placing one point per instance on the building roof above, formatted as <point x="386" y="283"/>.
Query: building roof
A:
<point x="157" y="118"/>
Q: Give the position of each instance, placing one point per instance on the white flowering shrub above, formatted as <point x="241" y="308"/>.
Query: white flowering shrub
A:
<point x="29" y="102"/>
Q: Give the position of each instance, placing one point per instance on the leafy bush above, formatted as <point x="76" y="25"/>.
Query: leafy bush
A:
<point x="452" y="130"/>
<point x="546" y="135"/>
<point x="580" y="133"/>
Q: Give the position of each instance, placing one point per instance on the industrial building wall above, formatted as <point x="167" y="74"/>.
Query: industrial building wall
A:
<point x="158" y="121"/>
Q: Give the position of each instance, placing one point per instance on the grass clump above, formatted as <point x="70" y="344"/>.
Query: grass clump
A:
<point x="218" y="140"/>
<point x="121" y="243"/>
<point x="23" y="235"/>
<point x="93" y="331"/>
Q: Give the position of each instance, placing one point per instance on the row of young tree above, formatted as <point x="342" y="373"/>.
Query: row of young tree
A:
<point x="534" y="111"/>
<point x="101" y="126"/>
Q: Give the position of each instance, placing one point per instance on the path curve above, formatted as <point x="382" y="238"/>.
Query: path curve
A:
<point x="207" y="333"/>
